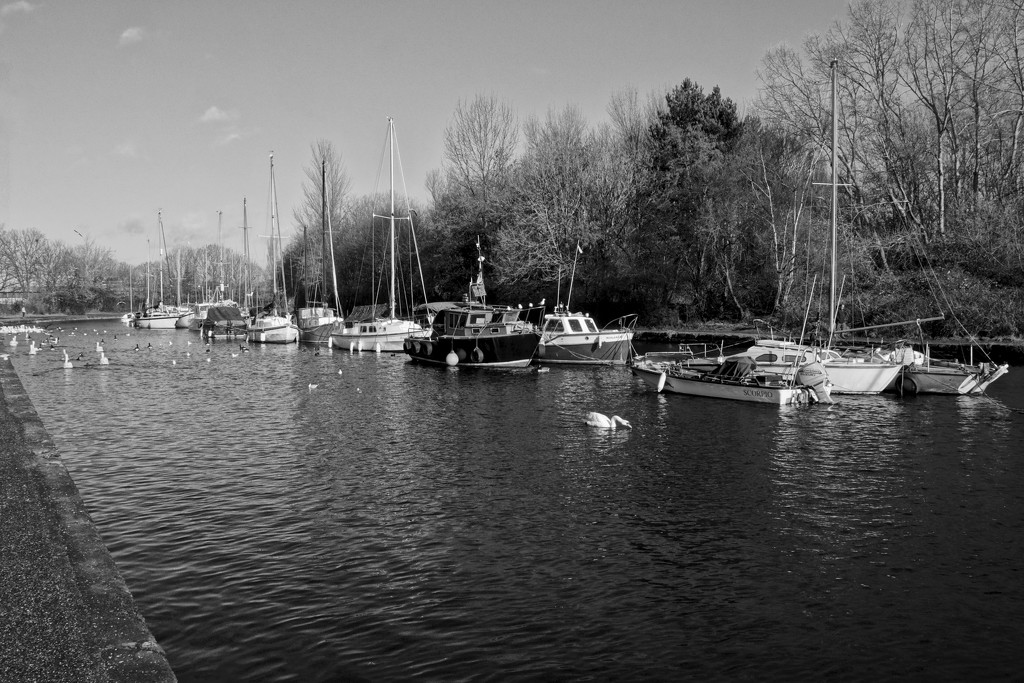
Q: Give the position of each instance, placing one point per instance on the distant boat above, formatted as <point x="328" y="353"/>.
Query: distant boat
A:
<point x="473" y="334"/>
<point x="224" y="319"/>
<point x="269" y="327"/>
<point x="315" y="319"/>
<point x="387" y="332"/>
<point x="159" y="317"/>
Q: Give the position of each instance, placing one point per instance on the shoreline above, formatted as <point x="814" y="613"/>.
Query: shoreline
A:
<point x="78" y="619"/>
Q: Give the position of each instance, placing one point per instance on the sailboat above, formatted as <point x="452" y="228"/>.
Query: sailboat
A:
<point x="221" y="317"/>
<point x="159" y="317"/>
<point x="315" y="319"/>
<point x="381" y="333"/>
<point x="270" y="327"/>
<point x="863" y="373"/>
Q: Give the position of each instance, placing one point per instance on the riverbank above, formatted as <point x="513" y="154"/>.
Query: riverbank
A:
<point x="67" y="613"/>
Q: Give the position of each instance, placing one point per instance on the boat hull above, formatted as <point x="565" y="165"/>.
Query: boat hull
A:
<point x="386" y="336"/>
<point x="268" y="331"/>
<point x="515" y="350"/>
<point x="690" y="383"/>
<point x="318" y="334"/>
<point x="602" y="348"/>
<point x="156" y="322"/>
<point x="184" y="322"/>
<point x="937" y="379"/>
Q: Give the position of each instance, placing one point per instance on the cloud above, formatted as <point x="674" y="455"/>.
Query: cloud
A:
<point x="12" y="8"/>
<point x="15" y="7"/>
<point x="132" y="35"/>
<point x="216" y="115"/>
<point x="126" y="149"/>
<point x="132" y="226"/>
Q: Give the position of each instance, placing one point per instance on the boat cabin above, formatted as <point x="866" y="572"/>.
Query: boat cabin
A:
<point x="569" y="324"/>
<point x="469" y="322"/>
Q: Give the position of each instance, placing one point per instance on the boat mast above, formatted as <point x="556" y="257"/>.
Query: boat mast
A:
<point x="835" y="196"/>
<point x="149" y="258"/>
<point x="323" y="231"/>
<point x="248" y="264"/>
<point x="160" y="223"/>
<point x="275" y="234"/>
<point x="391" y="141"/>
<point x="220" y="243"/>
<point x="334" y="268"/>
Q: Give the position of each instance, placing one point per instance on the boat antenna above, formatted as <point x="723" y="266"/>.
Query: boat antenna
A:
<point x="572" y="278"/>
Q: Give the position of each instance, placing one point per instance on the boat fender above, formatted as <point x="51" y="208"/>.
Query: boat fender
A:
<point x="478" y="355"/>
<point x="351" y="347"/>
<point x="461" y="353"/>
<point x="661" y="382"/>
<point x="407" y="345"/>
<point x="416" y="347"/>
<point x="428" y="348"/>
<point x="263" y="337"/>
<point x="452" y="359"/>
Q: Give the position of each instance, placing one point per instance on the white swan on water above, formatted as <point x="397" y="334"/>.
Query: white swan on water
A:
<point x="605" y="422"/>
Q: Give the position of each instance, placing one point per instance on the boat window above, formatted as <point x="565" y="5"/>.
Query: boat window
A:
<point x="554" y="325"/>
<point x="789" y="358"/>
<point x="590" y="325"/>
<point x="510" y="316"/>
<point x="477" y="319"/>
<point x="767" y="358"/>
<point x="574" y="325"/>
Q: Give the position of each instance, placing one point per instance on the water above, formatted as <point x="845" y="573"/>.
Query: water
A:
<point x="400" y="521"/>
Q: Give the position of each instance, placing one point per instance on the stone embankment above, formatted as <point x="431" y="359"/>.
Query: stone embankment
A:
<point x="65" y="612"/>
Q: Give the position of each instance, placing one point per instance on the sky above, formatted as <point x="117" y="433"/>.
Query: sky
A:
<point x="113" y="110"/>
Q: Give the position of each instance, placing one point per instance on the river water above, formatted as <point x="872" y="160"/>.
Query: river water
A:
<point x="398" y="521"/>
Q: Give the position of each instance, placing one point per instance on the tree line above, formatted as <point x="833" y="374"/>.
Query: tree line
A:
<point x="683" y="209"/>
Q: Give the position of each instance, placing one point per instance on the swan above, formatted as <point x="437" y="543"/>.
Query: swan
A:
<point x="313" y="386"/>
<point x="103" y="359"/>
<point x="67" y="361"/>
<point x="604" y="422"/>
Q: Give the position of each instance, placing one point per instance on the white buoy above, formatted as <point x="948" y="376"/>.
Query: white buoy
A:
<point x="452" y="359"/>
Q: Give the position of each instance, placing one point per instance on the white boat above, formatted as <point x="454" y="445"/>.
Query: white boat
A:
<point x="574" y="338"/>
<point x="861" y="373"/>
<point x="849" y="374"/>
<point x="388" y="332"/>
<point x="157" y="317"/>
<point x="736" y="379"/>
<point x="270" y="327"/>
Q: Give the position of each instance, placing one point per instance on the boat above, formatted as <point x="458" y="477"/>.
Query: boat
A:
<point x="161" y="316"/>
<point x="736" y="379"/>
<point x="574" y="338"/>
<point x="471" y="333"/>
<point x="315" y="319"/>
<point x="850" y="371"/>
<point x="224" y="319"/>
<point x="922" y="374"/>
<point x="269" y="326"/>
<point x="382" y="332"/>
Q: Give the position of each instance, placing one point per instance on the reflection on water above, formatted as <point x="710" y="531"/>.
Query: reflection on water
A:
<point x="399" y="521"/>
